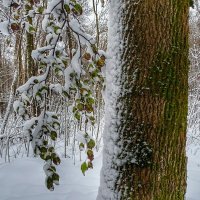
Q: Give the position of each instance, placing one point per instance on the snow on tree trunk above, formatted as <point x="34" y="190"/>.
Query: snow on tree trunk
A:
<point x="146" y="101"/>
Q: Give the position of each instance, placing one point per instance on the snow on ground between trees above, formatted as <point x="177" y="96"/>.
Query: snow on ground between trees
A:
<point x="193" y="172"/>
<point x="23" y="179"/>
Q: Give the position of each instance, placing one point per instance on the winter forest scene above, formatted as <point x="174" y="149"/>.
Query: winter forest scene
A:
<point x="99" y="99"/>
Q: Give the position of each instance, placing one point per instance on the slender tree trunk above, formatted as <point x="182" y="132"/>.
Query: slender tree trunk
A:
<point x="10" y="102"/>
<point x="1" y="56"/>
<point x="25" y="67"/>
<point x="12" y="87"/>
<point x="146" y="105"/>
<point x="32" y="68"/>
<point x="30" y="62"/>
<point x="69" y="47"/>
<point x="21" y="80"/>
<point x="95" y="5"/>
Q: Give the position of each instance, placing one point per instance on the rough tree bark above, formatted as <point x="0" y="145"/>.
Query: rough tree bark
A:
<point x="19" y="38"/>
<point x="32" y="68"/>
<point x="32" y="71"/>
<point x="146" y="105"/>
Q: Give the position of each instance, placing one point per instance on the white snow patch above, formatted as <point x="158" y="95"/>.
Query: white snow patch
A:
<point x="4" y="28"/>
<point x="23" y="179"/>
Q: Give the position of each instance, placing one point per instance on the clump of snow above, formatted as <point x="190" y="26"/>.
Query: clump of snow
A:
<point x="4" y="28"/>
<point x="7" y="3"/>
<point x="109" y="174"/>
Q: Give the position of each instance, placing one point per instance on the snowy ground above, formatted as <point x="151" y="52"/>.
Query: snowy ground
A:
<point x="23" y="179"/>
<point x="193" y="181"/>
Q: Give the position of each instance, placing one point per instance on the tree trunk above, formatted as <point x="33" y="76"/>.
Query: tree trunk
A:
<point x="18" y="51"/>
<point x="30" y="62"/>
<point x="146" y="105"/>
<point x="32" y="68"/>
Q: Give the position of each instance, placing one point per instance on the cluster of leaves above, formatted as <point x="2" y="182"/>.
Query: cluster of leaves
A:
<point x="41" y="129"/>
<point x="87" y="144"/>
<point x="21" y="14"/>
<point x="191" y="2"/>
<point x="79" y="72"/>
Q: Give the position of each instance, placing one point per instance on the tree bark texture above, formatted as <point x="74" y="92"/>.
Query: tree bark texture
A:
<point x="145" y="148"/>
<point x="32" y="71"/>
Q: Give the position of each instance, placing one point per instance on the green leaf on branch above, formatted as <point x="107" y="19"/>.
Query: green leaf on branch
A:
<point x="53" y="135"/>
<point x="91" y="144"/>
<point x="48" y="157"/>
<point x="55" y="178"/>
<point x="67" y="8"/>
<point x="89" y="108"/>
<point x="80" y="106"/>
<point x="57" y="29"/>
<point x="54" y="116"/>
<point x="44" y="88"/>
<point x="51" y="149"/>
<point x="27" y="7"/>
<point x="77" y="116"/>
<point x="42" y="156"/>
<point x="66" y="94"/>
<point x="38" y="96"/>
<point x="94" y="48"/>
<point x="56" y="125"/>
<point x="52" y="168"/>
<point x="84" y="168"/>
<point x="78" y="8"/>
<point x="41" y="10"/>
<point x="43" y="149"/>
<point x="92" y="118"/>
<point x="90" y="165"/>
<point x="90" y="100"/>
<point x="49" y="183"/>
<point x="35" y="81"/>
<point x="100" y="63"/>
<point x="90" y="155"/>
<point x="56" y="160"/>
<point x="31" y="29"/>
<point x="81" y="146"/>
